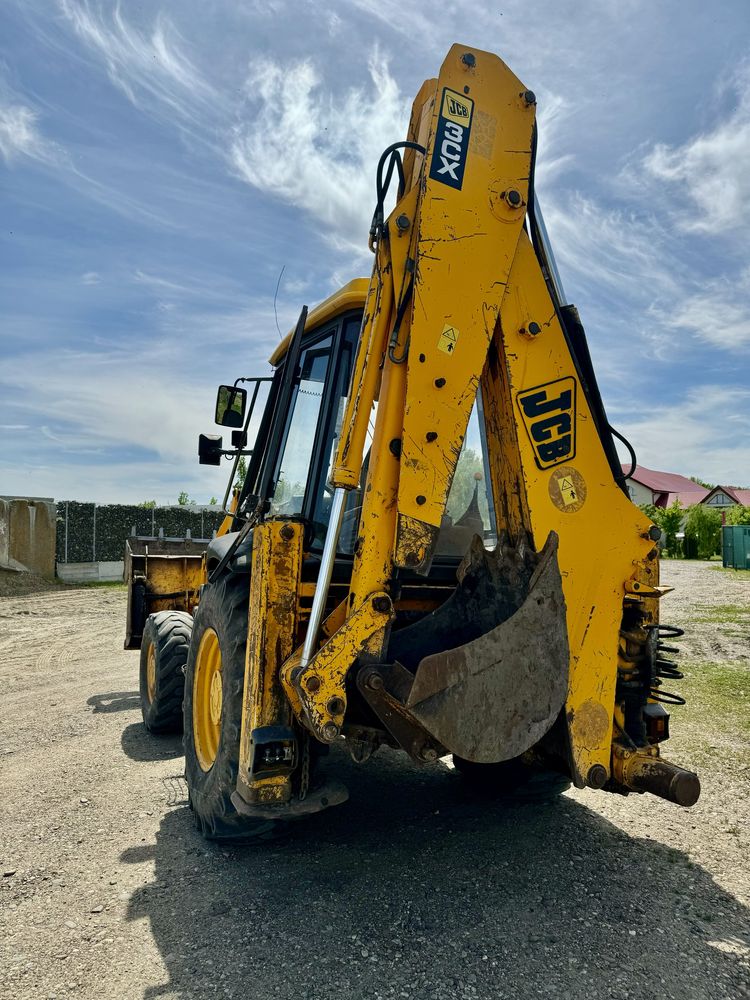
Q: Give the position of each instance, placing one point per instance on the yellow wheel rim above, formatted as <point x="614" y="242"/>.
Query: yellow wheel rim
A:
<point x="207" y="699"/>
<point x="151" y="673"/>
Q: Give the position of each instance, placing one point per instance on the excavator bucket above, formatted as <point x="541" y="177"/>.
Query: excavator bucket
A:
<point x="495" y="695"/>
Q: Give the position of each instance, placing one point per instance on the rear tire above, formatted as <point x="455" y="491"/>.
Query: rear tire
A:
<point x="214" y="682"/>
<point x="164" y="653"/>
<point x="512" y="778"/>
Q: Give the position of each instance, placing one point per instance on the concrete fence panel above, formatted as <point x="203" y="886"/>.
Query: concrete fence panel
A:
<point x="27" y="536"/>
<point x="91" y="537"/>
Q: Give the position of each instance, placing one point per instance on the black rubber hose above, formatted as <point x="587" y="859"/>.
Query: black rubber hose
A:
<point x="382" y="184"/>
<point x="628" y="445"/>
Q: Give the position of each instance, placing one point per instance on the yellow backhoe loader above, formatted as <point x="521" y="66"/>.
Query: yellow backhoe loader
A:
<point x="433" y="548"/>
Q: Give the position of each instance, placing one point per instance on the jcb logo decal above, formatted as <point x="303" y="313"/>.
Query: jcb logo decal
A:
<point x="549" y="413"/>
<point x="452" y="139"/>
<point x="457" y="108"/>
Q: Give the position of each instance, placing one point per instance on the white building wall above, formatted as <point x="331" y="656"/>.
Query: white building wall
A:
<point x="639" y="493"/>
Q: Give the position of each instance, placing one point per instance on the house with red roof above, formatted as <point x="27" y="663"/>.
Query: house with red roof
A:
<point x="721" y="497"/>
<point x="662" y="488"/>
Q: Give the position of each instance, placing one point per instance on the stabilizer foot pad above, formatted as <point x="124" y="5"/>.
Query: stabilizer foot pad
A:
<point x="333" y="793"/>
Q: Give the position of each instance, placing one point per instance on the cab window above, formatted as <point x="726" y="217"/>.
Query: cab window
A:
<point x="299" y="436"/>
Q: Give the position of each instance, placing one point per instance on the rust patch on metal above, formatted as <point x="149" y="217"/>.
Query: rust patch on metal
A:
<point x="415" y="544"/>
<point x="589" y="725"/>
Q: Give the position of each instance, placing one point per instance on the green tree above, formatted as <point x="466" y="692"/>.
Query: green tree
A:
<point x="669" y="519"/>
<point x="738" y="515"/>
<point x="213" y="501"/>
<point x="241" y="473"/>
<point x="706" y="486"/>
<point x="652" y="511"/>
<point x="147" y="504"/>
<point x="703" y="525"/>
<point x="183" y="499"/>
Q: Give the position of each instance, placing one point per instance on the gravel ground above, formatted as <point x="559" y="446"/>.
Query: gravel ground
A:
<point x="413" y="889"/>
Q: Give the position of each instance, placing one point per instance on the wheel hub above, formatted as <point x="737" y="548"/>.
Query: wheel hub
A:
<point x="215" y="699"/>
<point x="207" y="699"/>
<point x="151" y="673"/>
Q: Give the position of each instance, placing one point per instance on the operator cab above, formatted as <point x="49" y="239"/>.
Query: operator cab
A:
<point x="290" y="465"/>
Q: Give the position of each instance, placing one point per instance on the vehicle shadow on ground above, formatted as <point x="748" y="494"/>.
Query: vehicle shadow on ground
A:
<point x="115" y="701"/>
<point x="139" y="744"/>
<point x="416" y="889"/>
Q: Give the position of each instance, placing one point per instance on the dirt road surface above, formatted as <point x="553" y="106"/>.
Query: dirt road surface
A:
<point x="414" y="889"/>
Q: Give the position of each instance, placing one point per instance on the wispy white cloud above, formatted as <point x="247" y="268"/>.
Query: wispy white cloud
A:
<point x="152" y="398"/>
<point x="18" y="132"/>
<point x="149" y="66"/>
<point x="154" y="392"/>
<point x="101" y="411"/>
<point x="706" y="433"/>
<point x="718" y="313"/>
<point x="317" y="150"/>
<point x="553" y="117"/>
<point x="307" y="139"/>
<point x="21" y="139"/>
<point x="648" y="301"/>
<point x="710" y="169"/>
<point x="161" y="284"/>
<point x="20" y="135"/>
<point x="611" y="247"/>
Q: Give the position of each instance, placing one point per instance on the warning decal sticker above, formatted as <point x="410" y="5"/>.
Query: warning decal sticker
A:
<point x="567" y="489"/>
<point x="448" y="339"/>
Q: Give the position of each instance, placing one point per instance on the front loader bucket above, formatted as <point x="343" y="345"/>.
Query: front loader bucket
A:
<point x="495" y="696"/>
<point x="162" y="574"/>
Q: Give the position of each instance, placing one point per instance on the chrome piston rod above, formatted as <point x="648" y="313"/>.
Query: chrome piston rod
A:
<point x="338" y="504"/>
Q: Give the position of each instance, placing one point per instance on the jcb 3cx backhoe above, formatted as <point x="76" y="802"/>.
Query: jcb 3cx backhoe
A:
<point x="434" y="547"/>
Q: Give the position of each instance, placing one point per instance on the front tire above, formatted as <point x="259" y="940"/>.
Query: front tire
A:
<point x="214" y="682"/>
<point x="164" y="653"/>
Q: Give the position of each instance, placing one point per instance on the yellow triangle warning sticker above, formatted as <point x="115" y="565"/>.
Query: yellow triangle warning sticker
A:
<point x="448" y="339"/>
<point x="567" y="490"/>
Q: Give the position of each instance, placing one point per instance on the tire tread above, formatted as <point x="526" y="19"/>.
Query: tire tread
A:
<point x="169" y="632"/>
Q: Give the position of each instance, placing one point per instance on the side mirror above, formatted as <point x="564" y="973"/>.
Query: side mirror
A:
<point x="209" y="449"/>
<point x="230" y="406"/>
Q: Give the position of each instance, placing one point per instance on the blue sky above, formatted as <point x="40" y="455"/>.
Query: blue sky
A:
<point x="161" y="162"/>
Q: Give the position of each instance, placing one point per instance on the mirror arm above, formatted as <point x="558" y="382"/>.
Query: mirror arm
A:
<point x="238" y="455"/>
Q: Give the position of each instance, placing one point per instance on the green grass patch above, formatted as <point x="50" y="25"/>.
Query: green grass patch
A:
<point x="712" y="731"/>
<point x="717" y="614"/>
<point x="738" y="574"/>
<point x="718" y="697"/>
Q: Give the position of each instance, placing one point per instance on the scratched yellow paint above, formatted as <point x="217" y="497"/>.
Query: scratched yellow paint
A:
<point x="467" y="241"/>
<point x="603" y="542"/>
<point x="272" y="625"/>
